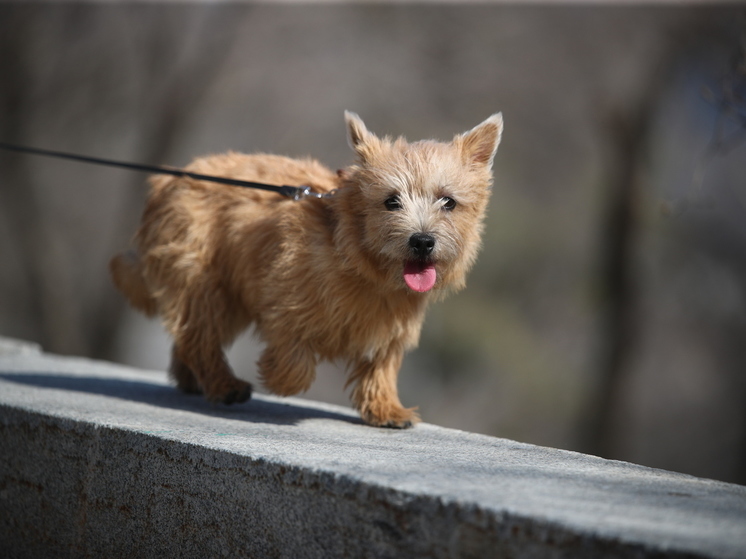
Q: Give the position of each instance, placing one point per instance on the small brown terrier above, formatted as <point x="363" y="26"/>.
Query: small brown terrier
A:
<point x="347" y="276"/>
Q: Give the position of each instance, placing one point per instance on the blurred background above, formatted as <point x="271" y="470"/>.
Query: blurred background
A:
<point x="607" y="311"/>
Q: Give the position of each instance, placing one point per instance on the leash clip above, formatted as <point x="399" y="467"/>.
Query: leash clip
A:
<point x="302" y="192"/>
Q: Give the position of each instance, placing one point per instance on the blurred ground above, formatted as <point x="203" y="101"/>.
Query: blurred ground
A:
<point x="607" y="310"/>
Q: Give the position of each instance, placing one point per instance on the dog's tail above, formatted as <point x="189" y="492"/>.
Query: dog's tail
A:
<point x="126" y="271"/>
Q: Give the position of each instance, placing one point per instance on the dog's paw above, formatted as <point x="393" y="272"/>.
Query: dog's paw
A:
<point x="392" y="418"/>
<point x="238" y="396"/>
<point x="235" y="392"/>
<point x="405" y="424"/>
<point x="191" y="389"/>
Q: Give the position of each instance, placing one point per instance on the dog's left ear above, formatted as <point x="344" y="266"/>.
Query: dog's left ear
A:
<point x="479" y="145"/>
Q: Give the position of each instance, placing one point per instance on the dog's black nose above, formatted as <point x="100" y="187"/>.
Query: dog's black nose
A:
<point x="422" y="244"/>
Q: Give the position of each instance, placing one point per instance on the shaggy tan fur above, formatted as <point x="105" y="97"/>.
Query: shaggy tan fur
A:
<point x="345" y="277"/>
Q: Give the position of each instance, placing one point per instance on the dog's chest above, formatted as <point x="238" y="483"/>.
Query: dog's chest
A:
<point x="366" y="324"/>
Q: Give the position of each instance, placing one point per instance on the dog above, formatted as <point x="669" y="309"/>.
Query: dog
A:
<point x="347" y="276"/>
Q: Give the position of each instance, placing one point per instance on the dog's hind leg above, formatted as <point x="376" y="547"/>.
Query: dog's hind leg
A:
<point x="185" y="379"/>
<point x="205" y="361"/>
<point x="202" y="324"/>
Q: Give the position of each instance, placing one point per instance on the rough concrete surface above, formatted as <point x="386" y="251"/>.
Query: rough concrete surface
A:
<point x="99" y="460"/>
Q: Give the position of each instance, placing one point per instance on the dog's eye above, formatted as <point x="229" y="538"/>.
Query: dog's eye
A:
<point x="392" y="203"/>
<point x="448" y="203"/>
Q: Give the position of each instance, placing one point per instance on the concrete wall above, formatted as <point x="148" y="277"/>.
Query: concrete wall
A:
<point x="106" y="461"/>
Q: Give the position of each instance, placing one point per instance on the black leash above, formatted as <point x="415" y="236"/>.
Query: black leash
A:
<point x="294" y="192"/>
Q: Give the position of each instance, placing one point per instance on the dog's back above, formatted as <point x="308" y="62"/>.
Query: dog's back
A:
<point x="186" y="224"/>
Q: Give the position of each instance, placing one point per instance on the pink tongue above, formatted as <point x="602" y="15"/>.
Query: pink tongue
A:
<point x="419" y="276"/>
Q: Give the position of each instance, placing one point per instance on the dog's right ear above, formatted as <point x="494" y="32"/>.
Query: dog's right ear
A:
<point x="357" y="134"/>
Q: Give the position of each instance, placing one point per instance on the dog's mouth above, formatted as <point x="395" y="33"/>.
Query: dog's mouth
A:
<point x="419" y="275"/>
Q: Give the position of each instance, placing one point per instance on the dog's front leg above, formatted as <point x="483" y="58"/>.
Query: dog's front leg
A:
<point x="287" y="369"/>
<point x="375" y="394"/>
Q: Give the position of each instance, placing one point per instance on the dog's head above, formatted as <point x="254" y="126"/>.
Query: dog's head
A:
<point x="415" y="210"/>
